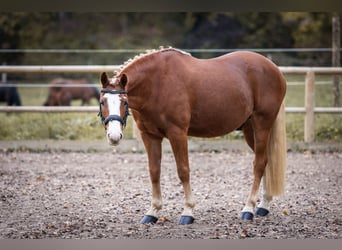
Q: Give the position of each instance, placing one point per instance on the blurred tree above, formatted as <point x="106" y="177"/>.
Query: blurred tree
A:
<point x="10" y="38"/>
<point x="310" y="30"/>
<point x="265" y="30"/>
<point x="66" y="30"/>
<point x="212" y="30"/>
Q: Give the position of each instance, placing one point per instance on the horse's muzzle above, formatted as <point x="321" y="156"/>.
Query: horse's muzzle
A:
<point x="114" y="138"/>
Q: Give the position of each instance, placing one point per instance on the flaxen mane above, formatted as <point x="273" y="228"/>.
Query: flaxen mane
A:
<point x="146" y="54"/>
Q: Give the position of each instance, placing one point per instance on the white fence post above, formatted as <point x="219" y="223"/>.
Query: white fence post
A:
<point x="3" y="75"/>
<point x="309" y="127"/>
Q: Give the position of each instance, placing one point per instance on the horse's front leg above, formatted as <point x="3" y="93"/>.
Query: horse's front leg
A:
<point x="179" y="144"/>
<point x="154" y="152"/>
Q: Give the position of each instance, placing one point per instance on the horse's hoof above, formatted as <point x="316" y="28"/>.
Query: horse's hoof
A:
<point x="185" y="220"/>
<point x="149" y="219"/>
<point x="260" y="211"/>
<point x="247" y="216"/>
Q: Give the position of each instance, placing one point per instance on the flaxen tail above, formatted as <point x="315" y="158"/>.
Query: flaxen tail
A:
<point x="277" y="154"/>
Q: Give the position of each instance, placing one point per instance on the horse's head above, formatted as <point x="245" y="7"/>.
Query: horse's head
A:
<point x="52" y="99"/>
<point x="113" y="108"/>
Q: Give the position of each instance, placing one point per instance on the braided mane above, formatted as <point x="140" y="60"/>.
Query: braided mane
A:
<point x="146" y="54"/>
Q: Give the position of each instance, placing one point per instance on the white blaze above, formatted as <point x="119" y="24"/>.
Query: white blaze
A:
<point x="114" y="132"/>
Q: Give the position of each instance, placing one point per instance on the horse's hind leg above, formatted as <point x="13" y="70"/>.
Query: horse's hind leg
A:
<point x="154" y="153"/>
<point x="248" y="132"/>
<point x="179" y="144"/>
<point x="263" y="207"/>
<point x="261" y="137"/>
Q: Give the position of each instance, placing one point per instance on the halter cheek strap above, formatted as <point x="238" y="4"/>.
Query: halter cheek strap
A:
<point x="109" y="118"/>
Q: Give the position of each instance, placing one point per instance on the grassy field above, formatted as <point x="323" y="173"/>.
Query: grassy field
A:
<point x="87" y="126"/>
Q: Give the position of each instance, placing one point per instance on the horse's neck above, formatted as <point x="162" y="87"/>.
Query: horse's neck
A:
<point x="138" y="95"/>
<point x="143" y="80"/>
<point x="139" y="89"/>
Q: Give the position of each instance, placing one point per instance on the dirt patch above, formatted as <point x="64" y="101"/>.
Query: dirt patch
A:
<point x="56" y="194"/>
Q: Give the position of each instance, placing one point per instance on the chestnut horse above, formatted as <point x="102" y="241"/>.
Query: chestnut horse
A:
<point x="174" y="95"/>
<point x="63" y="91"/>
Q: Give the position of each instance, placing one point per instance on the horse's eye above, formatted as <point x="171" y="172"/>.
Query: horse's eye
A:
<point x="101" y="103"/>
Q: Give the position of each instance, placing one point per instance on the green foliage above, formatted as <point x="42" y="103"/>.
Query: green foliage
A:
<point x="27" y="126"/>
<point x="327" y="126"/>
<point x="55" y="126"/>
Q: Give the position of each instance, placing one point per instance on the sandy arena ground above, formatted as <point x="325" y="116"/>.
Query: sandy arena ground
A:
<point x="56" y="190"/>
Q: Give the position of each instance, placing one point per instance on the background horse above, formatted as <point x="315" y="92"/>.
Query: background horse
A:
<point x="10" y="95"/>
<point x="62" y="92"/>
<point x="173" y="95"/>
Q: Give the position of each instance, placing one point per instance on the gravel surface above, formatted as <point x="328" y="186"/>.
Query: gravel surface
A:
<point x="56" y="194"/>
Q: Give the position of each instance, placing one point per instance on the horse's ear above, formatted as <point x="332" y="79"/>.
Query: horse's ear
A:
<point x="123" y="80"/>
<point x="104" y="79"/>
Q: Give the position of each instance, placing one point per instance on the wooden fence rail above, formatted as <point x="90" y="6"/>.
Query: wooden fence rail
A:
<point x="308" y="110"/>
<point x="58" y="69"/>
<point x="99" y="68"/>
<point x="90" y="109"/>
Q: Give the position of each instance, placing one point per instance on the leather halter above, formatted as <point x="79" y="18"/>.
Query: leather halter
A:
<point x="106" y="120"/>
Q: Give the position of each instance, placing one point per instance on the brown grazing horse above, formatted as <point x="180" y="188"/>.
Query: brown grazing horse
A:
<point x="63" y="91"/>
<point x="174" y="95"/>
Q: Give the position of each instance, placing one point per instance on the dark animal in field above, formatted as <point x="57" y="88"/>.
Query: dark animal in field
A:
<point x="9" y="94"/>
<point x="63" y="91"/>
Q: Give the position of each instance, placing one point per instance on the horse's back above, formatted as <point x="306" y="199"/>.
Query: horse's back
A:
<point x="246" y="74"/>
<point x="266" y="80"/>
<point x="250" y="64"/>
<point x="262" y="77"/>
<point x="240" y="67"/>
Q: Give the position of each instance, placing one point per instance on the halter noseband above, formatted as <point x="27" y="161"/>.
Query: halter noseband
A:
<point x="106" y="120"/>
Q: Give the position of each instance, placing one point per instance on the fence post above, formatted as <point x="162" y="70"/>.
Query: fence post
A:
<point x="309" y="128"/>
<point x="3" y="75"/>
<point x="336" y="56"/>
